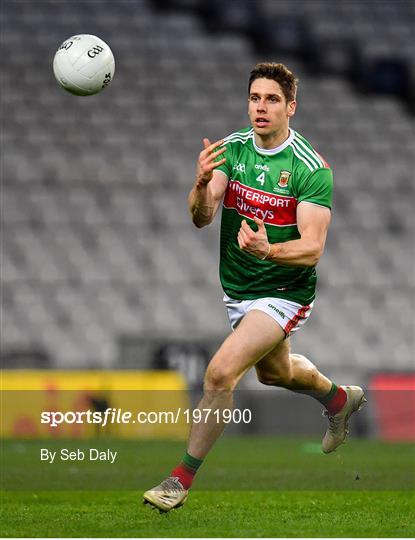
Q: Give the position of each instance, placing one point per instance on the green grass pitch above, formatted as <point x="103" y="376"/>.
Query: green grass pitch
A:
<point x="248" y="487"/>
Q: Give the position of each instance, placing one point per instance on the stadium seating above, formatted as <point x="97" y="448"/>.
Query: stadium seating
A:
<point x="97" y="242"/>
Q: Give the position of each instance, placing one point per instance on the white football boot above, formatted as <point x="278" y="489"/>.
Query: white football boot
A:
<point x="167" y="495"/>
<point x="338" y="428"/>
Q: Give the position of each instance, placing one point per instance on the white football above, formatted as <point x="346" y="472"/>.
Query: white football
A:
<point x="84" y="65"/>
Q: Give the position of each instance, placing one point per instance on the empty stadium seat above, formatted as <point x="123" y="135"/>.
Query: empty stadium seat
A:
<point x="97" y="240"/>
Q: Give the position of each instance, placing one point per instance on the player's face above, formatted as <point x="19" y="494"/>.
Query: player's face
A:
<point x="268" y="109"/>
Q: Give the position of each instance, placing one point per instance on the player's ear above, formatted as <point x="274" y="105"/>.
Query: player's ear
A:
<point x="292" y="105"/>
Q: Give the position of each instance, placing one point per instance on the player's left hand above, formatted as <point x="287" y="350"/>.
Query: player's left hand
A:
<point x="255" y="243"/>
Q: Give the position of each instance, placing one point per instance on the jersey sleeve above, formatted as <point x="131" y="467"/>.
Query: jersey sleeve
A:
<point x="228" y="165"/>
<point x="317" y="188"/>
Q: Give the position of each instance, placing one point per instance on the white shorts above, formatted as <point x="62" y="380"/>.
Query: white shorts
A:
<point x="289" y="315"/>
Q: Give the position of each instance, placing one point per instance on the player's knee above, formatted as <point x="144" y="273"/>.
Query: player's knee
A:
<point x="218" y="378"/>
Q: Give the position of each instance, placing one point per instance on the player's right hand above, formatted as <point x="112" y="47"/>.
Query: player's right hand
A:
<point x="206" y="163"/>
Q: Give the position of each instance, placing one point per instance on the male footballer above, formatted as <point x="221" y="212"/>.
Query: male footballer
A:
<point x="276" y="195"/>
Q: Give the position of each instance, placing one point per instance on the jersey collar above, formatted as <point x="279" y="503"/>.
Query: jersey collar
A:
<point x="278" y="149"/>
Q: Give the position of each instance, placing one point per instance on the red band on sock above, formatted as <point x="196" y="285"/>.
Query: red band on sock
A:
<point x="337" y="402"/>
<point x="184" y="474"/>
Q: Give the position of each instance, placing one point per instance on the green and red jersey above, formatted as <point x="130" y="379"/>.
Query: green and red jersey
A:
<point x="269" y="184"/>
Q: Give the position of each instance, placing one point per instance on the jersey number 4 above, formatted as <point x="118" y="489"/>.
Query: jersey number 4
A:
<point x="261" y="178"/>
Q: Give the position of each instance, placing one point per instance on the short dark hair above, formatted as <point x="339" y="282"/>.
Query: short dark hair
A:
<point x="278" y="73"/>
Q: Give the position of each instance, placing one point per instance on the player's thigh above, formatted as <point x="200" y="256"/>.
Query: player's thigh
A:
<point x="276" y="366"/>
<point x="256" y="335"/>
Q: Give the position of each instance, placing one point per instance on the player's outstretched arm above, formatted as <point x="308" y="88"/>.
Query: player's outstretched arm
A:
<point x="210" y="184"/>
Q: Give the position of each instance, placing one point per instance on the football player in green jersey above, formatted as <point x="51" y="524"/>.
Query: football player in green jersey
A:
<point x="276" y="192"/>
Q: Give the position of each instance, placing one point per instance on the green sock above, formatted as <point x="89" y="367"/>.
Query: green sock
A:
<point x="186" y="470"/>
<point x="327" y="398"/>
<point x="191" y="462"/>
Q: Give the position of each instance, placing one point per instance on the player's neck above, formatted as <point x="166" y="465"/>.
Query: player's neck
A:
<point x="272" y="140"/>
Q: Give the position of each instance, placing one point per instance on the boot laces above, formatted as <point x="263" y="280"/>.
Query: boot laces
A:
<point x="334" y="423"/>
<point x="171" y="484"/>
